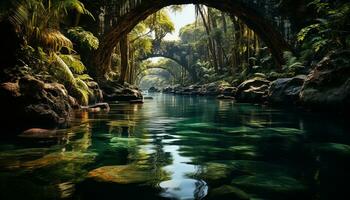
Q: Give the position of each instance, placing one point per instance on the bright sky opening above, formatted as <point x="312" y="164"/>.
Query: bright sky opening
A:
<point x="181" y="19"/>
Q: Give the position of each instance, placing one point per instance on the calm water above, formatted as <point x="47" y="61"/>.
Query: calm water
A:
<point x="177" y="147"/>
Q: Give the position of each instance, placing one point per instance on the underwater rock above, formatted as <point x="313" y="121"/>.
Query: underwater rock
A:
<point x="227" y="192"/>
<point x="121" y="174"/>
<point x="38" y="133"/>
<point x="33" y="159"/>
<point x="279" y="187"/>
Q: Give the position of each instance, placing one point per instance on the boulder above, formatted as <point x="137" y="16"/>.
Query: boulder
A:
<point x="31" y="87"/>
<point x="113" y="91"/>
<point x="168" y="90"/>
<point x="153" y="89"/>
<point x="327" y="87"/>
<point x="96" y="107"/>
<point x="253" y="90"/>
<point x="34" y="103"/>
<point x="215" y="88"/>
<point x="229" y="91"/>
<point x="97" y="94"/>
<point x="286" y="90"/>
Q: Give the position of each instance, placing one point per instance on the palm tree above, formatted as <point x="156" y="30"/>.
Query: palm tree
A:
<point x="40" y="20"/>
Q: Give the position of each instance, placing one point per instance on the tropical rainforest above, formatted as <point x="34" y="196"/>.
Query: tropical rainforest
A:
<point x="104" y="99"/>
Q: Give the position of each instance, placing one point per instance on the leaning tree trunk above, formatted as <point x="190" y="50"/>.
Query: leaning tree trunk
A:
<point x="124" y="51"/>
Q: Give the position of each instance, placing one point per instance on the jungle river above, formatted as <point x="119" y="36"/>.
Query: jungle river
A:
<point x="182" y="147"/>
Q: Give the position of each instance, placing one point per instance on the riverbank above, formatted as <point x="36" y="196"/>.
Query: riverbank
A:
<point x="32" y="102"/>
<point x="325" y="88"/>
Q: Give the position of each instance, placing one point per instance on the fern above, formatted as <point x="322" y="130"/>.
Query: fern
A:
<point x="62" y="72"/>
<point x="293" y="65"/>
<point x="84" y="39"/>
<point x="74" y="63"/>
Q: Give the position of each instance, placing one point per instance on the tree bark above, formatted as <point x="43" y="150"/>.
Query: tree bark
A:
<point x="124" y="51"/>
<point x="210" y="41"/>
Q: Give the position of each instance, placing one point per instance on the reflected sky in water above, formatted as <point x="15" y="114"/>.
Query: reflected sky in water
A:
<point x="179" y="147"/>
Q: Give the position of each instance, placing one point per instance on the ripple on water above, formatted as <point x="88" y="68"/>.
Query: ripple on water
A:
<point x="184" y="189"/>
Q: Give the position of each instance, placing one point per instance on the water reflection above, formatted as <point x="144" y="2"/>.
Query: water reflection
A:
<point x="176" y="147"/>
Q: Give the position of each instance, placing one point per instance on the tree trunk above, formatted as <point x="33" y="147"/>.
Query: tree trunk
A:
<point x="124" y="58"/>
<point x="210" y="41"/>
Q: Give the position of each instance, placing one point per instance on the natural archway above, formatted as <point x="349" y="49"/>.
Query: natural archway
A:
<point x="179" y="62"/>
<point x="256" y="15"/>
<point x="163" y="74"/>
<point x="140" y="74"/>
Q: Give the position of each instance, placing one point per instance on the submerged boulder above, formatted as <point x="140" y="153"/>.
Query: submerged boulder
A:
<point x="286" y="90"/>
<point x="227" y="192"/>
<point x="253" y="90"/>
<point x="275" y="187"/>
<point x="121" y="174"/>
<point x="327" y="87"/>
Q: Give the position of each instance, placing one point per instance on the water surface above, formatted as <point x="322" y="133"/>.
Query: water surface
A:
<point x="181" y="147"/>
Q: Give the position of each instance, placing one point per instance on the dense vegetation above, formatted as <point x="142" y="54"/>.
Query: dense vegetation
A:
<point x="220" y="47"/>
<point x="50" y="42"/>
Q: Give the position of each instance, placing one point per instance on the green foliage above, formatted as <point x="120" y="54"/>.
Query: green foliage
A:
<point x="40" y="20"/>
<point x="329" y="30"/>
<point x="84" y="39"/>
<point x="76" y="86"/>
<point x="160" y="23"/>
<point x="83" y="91"/>
<point x="292" y="65"/>
<point x="74" y="63"/>
<point x="62" y="72"/>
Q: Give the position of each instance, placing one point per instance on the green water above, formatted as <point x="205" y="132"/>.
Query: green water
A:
<point x="178" y="147"/>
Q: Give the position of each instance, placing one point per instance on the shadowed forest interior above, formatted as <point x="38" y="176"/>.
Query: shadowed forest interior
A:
<point x="174" y="99"/>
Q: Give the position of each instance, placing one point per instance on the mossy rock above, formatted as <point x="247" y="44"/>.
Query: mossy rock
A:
<point x="121" y="174"/>
<point x="279" y="187"/>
